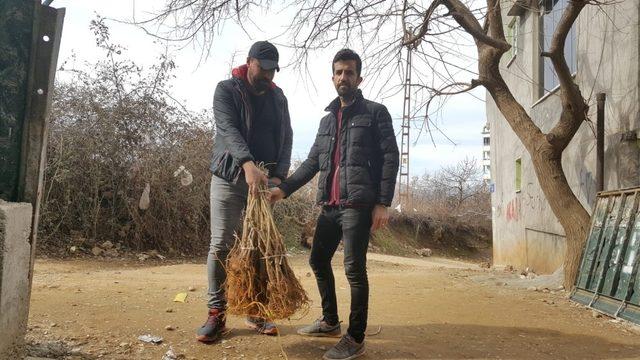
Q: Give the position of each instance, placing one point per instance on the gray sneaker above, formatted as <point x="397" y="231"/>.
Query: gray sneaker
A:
<point x="347" y="348"/>
<point x="321" y="328"/>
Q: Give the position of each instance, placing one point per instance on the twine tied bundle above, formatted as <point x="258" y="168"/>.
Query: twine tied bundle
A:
<point x="260" y="281"/>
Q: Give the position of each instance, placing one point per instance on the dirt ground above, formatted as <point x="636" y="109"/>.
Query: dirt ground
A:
<point x="419" y="309"/>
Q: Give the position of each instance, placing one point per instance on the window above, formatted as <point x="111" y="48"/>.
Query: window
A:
<point x="485" y="155"/>
<point x="486" y="141"/>
<point x="512" y="36"/>
<point x="551" y="15"/>
<point x="518" y="175"/>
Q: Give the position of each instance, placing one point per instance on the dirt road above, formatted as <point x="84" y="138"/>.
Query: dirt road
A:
<point x="425" y="309"/>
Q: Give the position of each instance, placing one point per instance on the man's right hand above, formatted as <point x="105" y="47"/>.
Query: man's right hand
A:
<point x="276" y="194"/>
<point x="253" y="176"/>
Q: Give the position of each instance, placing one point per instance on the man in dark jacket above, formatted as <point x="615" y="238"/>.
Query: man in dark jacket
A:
<point x="356" y="154"/>
<point x="252" y="127"/>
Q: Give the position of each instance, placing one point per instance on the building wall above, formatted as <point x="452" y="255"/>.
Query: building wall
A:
<point x="525" y="230"/>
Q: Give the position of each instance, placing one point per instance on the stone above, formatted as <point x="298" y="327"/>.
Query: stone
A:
<point x="15" y="257"/>
<point x="425" y="252"/>
<point x="97" y="251"/>
<point x="107" y="245"/>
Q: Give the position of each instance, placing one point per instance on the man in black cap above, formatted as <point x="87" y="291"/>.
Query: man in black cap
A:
<point x="252" y="127"/>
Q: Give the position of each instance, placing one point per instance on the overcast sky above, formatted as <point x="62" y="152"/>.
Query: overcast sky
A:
<point x="462" y="118"/>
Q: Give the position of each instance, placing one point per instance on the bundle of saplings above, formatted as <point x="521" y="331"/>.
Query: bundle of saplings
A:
<point x="260" y="281"/>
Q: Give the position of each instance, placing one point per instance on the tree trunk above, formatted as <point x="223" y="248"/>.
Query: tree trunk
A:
<point x="565" y="205"/>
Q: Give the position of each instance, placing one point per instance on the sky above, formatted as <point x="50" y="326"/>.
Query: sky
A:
<point x="461" y="119"/>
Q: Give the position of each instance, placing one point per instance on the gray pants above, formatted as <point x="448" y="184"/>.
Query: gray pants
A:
<point x="227" y="202"/>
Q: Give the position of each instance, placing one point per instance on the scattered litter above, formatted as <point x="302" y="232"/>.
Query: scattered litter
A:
<point x="155" y="253"/>
<point x="144" y="198"/>
<point x="73" y="249"/>
<point x="148" y="338"/>
<point x="180" y="297"/>
<point x="185" y="176"/>
<point x="378" y="331"/>
<point x="171" y="355"/>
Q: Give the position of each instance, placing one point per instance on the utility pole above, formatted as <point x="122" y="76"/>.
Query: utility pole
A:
<point x="405" y="196"/>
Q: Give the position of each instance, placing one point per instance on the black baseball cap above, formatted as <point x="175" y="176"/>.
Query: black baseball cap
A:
<point x="266" y="53"/>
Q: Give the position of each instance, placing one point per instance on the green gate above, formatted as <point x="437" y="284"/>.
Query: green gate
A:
<point x="608" y="279"/>
<point x="16" y="33"/>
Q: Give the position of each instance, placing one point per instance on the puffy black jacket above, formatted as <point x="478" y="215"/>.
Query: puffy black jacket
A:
<point x="368" y="160"/>
<point x="233" y="118"/>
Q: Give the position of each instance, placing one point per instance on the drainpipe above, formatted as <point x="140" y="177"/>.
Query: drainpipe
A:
<point x="600" y="98"/>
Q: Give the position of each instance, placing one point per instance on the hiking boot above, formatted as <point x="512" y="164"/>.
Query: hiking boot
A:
<point x="321" y="328"/>
<point x="347" y="348"/>
<point x="213" y="327"/>
<point x="261" y="325"/>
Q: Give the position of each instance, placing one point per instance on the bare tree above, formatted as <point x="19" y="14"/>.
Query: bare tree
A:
<point x="460" y="181"/>
<point x="441" y="32"/>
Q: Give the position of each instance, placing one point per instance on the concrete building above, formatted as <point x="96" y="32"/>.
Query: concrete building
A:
<point x="603" y="50"/>
<point x="486" y="153"/>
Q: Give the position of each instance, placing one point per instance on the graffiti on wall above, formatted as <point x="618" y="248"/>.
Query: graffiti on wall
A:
<point x="512" y="211"/>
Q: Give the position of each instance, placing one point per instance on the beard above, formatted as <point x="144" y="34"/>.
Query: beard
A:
<point x="261" y="85"/>
<point x="345" y="91"/>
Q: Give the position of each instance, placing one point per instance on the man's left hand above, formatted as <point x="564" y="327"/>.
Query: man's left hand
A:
<point x="380" y="217"/>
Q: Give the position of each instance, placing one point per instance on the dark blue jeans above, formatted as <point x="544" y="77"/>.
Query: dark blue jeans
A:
<point x="352" y="225"/>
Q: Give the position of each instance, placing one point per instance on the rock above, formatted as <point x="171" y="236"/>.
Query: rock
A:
<point x="508" y="268"/>
<point x="96" y="251"/>
<point x="169" y="310"/>
<point x="486" y="265"/>
<point x="111" y="253"/>
<point x="425" y="252"/>
<point x="500" y="283"/>
<point x="532" y="288"/>
<point x="124" y="344"/>
<point x="595" y="314"/>
<point x="73" y="249"/>
<point x="106" y="245"/>
<point x="142" y="256"/>
<point x="169" y="328"/>
<point x="192" y="288"/>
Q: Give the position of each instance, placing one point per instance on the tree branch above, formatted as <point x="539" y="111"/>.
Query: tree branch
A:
<point x="574" y="108"/>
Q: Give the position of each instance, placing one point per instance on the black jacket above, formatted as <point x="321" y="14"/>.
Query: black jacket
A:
<point x="369" y="155"/>
<point x="233" y="118"/>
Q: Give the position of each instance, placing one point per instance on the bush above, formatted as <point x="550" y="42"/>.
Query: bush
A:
<point x="115" y="131"/>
